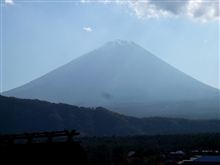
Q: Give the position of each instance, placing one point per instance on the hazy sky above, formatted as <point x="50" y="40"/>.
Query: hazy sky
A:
<point x="39" y="36"/>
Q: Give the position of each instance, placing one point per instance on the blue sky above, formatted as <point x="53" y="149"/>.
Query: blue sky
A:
<point x="38" y="37"/>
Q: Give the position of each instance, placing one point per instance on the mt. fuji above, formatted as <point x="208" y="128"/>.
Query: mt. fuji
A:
<point x="128" y="79"/>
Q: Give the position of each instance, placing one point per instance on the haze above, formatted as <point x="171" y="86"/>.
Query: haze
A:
<point x="39" y="37"/>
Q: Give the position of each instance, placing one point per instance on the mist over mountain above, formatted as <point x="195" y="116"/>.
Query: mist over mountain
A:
<point x="23" y="115"/>
<point x="125" y="78"/>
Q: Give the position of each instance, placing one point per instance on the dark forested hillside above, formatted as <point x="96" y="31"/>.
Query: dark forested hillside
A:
<point x="22" y="115"/>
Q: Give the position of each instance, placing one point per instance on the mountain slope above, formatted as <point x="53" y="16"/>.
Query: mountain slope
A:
<point x="125" y="78"/>
<point x="22" y="115"/>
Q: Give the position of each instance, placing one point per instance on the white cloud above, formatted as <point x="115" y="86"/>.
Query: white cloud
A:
<point x="84" y="1"/>
<point x="99" y="1"/>
<point x="9" y="2"/>
<point x="146" y="10"/>
<point x="200" y="10"/>
<point x="205" y="41"/>
<point x="203" y="10"/>
<point x="87" y="29"/>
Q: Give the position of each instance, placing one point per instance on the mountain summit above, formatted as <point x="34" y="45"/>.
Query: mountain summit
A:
<point x="125" y="78"/>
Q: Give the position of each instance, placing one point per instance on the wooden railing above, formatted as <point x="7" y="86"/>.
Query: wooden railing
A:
<point x="30" y="137"/>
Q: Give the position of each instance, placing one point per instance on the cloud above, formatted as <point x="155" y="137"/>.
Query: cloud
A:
<point x="199" y="10"/>
<point x="87" y="29"/>
<point x="9" y="2"/>
<point x="147" y="9"/>
<point x="205" y="41"/>
<point x="203" y="10"/>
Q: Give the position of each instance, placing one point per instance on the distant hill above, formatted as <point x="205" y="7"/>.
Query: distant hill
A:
<point x="128" y="79"/>
<point x="22" y="115"/>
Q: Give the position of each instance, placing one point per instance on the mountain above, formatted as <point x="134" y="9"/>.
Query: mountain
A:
<point x="128" y="79"/>
<point x="22" y="115"/>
